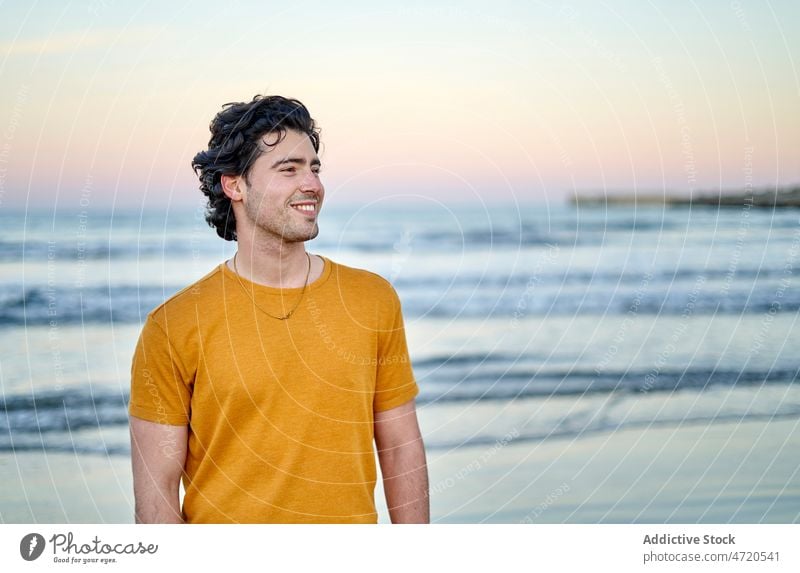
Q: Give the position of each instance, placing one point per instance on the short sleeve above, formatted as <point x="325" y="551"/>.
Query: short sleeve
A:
<point x="160" y="387"/>
<point x="395" y="384"/>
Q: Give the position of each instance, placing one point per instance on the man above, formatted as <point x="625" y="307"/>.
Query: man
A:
<point x="264" y="384"/>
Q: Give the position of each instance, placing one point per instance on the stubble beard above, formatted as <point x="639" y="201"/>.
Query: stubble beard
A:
<point x="296" y="236"/>
<point x="286" y="229"/>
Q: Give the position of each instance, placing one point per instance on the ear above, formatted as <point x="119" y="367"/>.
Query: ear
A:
<point x="232" y="186"/>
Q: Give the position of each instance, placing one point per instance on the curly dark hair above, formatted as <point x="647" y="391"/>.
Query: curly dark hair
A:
<point x="236" y="143"/>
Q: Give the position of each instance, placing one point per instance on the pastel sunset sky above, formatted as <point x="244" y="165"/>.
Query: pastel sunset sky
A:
<point x="458" y="101"/>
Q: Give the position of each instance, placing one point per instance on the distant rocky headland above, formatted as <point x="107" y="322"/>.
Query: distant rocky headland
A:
<point x="775" y="197"/>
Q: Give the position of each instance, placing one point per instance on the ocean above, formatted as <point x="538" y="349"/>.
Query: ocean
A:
<point x="535" y="321"/>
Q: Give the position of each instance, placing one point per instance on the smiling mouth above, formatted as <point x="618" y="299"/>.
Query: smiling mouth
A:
<point x="305" y="208"/>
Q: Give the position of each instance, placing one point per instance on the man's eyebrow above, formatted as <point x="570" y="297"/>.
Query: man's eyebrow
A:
<point x="295" y="160"/>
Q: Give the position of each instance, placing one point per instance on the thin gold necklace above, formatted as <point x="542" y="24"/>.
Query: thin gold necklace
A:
<point x="253" y="300"/>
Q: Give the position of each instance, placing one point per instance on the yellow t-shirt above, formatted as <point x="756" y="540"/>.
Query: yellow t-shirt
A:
<point x="280" y="412"/>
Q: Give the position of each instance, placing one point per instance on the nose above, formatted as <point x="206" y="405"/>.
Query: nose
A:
<point x="311" y="183"/>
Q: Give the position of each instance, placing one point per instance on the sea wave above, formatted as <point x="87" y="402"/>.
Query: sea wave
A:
<point x="57" y="419"/>
<point x="464" y="296"/>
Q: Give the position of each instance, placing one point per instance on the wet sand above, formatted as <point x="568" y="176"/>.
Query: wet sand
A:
<point x="711" y="473"/>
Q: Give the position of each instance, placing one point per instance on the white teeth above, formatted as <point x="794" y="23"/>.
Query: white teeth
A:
<point x="309" y="208"/>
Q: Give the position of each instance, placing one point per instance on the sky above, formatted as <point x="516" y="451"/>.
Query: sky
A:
<point x="106" y="102"/>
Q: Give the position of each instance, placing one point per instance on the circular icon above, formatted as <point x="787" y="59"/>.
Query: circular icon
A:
<point x="31" y="546"/>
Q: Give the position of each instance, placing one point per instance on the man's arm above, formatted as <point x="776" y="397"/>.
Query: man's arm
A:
<point x="402" y="457"/>
<point x="158" y="454"/>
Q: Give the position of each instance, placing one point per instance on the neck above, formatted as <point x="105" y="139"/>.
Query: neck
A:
<point x="280" y="266"/>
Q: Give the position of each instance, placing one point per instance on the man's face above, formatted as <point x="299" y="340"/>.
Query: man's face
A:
<point x="285" y="193"/>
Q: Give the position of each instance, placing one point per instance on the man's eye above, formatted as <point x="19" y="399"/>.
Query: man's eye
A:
<point x="288" y="170"/>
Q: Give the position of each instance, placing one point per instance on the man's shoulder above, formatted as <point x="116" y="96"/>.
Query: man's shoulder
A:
<point x="186" y="302"/>
<point x="357" y="278"/>
<point x="368" y="291"/>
